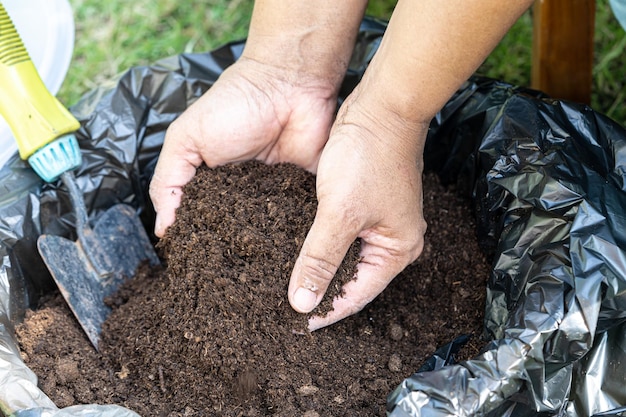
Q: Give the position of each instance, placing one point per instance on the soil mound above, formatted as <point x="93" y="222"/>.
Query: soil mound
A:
<point x="212" y="333"/>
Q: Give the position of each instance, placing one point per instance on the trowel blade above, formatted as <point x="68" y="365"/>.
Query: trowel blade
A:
<point x="78" y="282"/>
<point x="120" y="244"/>
<point x="121" y="235"/>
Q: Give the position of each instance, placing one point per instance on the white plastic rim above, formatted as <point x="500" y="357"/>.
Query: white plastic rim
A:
<point x="619" y="10"/>
<point x="47" y="30"/>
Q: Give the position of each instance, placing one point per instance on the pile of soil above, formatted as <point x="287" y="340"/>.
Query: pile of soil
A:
<point x="212" y="332"/>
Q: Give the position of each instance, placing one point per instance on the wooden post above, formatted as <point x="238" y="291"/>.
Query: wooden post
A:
<point x="562" y="57"/>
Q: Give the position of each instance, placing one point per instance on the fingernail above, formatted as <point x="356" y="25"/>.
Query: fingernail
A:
<point x="304" y="300"/>
<point x="158" y="227"/>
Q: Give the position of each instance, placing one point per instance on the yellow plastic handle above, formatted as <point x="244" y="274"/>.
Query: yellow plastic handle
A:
<point x="35" y="116"/>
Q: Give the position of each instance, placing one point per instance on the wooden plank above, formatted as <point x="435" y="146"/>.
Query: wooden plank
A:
<point x="562" y="57"/>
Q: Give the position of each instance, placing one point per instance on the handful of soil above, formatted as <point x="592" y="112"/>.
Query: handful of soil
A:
<point x="213" y="333"/>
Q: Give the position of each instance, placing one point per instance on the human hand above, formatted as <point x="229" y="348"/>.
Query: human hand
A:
<point x="369" y="186"/>
<point x="253" y="111"/>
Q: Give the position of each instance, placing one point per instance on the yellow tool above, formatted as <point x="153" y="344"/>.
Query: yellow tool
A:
<point x="89" y="270"/>
<point x="47" y="141"/>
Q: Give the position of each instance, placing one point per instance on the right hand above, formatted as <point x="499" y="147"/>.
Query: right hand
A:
<point x="369" y="186"/>
<point x="253" y="111"/>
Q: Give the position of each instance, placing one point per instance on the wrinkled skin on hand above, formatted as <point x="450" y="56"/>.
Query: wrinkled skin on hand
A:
<point x="369" y="186"/>
<point x="252" y="112"/>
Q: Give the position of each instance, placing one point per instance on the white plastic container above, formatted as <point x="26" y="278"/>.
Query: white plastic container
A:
<point x="47" y="30"/>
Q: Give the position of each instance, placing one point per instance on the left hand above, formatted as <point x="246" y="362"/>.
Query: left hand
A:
<point x="251" y="112"/>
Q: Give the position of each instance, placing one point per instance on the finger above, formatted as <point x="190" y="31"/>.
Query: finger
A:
<point x="323" y="250"/>
<point x="176" y="166"/>
<point x="358" y="294"/>
<point x="377" y="268"/>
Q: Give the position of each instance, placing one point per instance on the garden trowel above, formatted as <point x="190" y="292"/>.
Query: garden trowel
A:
<point x="92" y="268"/>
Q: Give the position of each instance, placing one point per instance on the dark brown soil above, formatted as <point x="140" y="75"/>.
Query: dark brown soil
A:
<point x="213" y="334"/>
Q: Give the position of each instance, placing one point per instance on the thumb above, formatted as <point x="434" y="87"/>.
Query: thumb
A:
<point x="323" y="251"/>
<point x="175" y="168"/>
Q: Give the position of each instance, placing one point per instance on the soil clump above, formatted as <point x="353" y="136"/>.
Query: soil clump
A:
<point x="211" y="333"/>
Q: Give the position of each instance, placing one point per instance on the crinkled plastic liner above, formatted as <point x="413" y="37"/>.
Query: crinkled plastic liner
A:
<point x="547" y="182"/>
<point x="546" y="179"/>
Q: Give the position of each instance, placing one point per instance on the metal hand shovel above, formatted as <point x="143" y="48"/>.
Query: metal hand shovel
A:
<point x="92" y="268"/>
<point x="104" y="256"/>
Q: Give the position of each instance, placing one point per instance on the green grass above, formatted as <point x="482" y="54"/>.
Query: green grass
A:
<point x="113" y="35"/>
